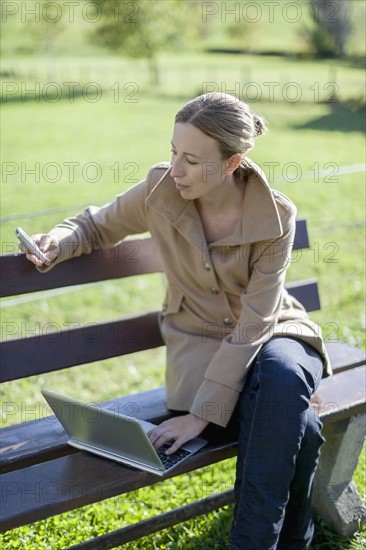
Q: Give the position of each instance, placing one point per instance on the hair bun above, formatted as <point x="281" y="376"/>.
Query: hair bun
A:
<point x="260" y="126"/>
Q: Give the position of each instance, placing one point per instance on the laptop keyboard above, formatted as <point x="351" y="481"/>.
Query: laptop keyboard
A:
<point x="171" y="460"/>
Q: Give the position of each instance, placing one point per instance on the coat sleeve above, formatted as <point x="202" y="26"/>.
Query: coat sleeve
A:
<point x="261" y="305"/>
<point x="103" y="227"/>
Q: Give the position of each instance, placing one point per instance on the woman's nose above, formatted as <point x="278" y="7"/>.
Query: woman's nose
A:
<point x="177" y="170"/>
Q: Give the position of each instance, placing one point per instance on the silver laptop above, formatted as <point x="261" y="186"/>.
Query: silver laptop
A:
<point x="116" y="436"/>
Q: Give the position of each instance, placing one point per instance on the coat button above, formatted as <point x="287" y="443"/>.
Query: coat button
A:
<point x="215" y="290"/>
<point x="227" y="322"/>
<point x="207" y="266"/>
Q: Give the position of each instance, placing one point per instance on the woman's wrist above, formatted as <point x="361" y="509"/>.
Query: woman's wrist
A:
<point x="199" y="421"/>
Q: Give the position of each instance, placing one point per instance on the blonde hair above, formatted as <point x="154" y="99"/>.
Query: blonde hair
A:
<point x="226" y="119"/>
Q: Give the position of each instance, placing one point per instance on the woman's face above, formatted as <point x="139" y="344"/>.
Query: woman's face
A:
<point x="197" y="166"/>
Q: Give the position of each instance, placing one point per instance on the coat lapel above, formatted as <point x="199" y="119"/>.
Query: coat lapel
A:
<point x="260" y="219"/>
<point x="181" y="213"/>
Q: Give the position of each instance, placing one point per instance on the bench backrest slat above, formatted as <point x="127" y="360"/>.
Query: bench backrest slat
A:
<point x="68" y="348"/>
<point x="49" y="352"/>
<point x="306" y="292"/>
<point x="135" y="257"/>
<point x="63" y="349"/>
<point x="301" y="236"/>
<point x="132" y="257"/>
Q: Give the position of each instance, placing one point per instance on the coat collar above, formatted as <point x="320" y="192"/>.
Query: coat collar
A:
<point x="260" y="219"/>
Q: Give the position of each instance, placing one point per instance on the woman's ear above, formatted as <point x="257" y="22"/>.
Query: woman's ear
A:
<point x="232" y="164"/>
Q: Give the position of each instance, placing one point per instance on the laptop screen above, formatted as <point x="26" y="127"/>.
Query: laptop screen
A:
<point x="102" y="428"/>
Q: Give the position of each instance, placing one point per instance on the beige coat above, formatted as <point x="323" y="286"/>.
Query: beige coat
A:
<point x="223" y="299"/>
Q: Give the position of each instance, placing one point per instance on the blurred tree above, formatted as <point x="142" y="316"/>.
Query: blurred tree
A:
<point x="238" y="28"/>
<point x="143" y="28"/>
<point x="328" y="37"/>
<point x="44" y="23"/>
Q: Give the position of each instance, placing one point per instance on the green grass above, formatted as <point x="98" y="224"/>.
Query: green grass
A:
<point x="306" y="135"/>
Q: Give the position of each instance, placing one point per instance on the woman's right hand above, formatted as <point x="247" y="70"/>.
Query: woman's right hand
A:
<point x="49" y="245"/>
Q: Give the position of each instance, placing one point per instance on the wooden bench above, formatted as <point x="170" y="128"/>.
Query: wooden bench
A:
<point x="36" y="458"/>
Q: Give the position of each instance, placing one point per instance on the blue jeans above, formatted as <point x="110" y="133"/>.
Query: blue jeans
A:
<point x="278" y="449"/>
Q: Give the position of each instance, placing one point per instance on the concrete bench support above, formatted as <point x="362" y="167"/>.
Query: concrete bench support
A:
<point x="335" y="496"/>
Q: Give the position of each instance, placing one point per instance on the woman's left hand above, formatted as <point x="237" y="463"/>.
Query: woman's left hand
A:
<point x="179" y="429"/>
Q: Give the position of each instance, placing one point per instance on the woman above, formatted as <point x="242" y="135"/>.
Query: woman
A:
<point x="241" y="353"/>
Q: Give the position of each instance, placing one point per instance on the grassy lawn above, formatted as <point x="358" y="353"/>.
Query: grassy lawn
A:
<point x="60" y="155"/>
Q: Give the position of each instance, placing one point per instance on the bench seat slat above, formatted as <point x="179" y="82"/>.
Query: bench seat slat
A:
<point x="344" y="357"/>
<point x="79" y="479"/>
<point x="40" y="440"/>
<point x="341" y="396"/>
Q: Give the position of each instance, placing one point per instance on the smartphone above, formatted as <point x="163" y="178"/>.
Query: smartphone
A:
<point x="30" y="244"/>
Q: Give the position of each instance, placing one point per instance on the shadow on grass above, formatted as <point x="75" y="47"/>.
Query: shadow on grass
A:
<point x="326" y="539"/>
<point x="342" y="117"/>
<point x="215" y="532"/>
